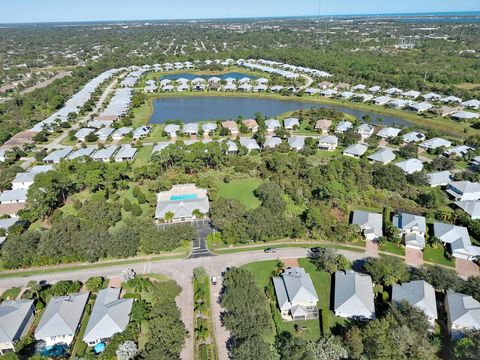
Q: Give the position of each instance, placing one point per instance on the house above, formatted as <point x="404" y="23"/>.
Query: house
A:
<point x="419" y="294"/>
<point x="420" y="107"/>
<point x="346" y="95"/>
<point x="190" y="129"/>
<point x="353" y="296"/>
<point x="6" y="223"/>
<point x="120" y="133"/>
<point x="172" y="130"/>
<point x="328" y="93"/>
<point x="343" y="126"/>
<point x="328" y="142"/>
<point x="291" y="123"/>
<point x="381" y="100"/>
<point x="61" y="319"/>
<point x="260" y="88"/>
<point x="360" y="87"/>
<point x="104" y="133"/>
<point x="374" y="89"/>
<point x="388" y="132"/>
<point x="168" y="88"/>
<point x="214" y="80"/>
<point x="276" y="88"/>
<point x="296" y="142"/>
<point x="412" y="94"/>
<point x="410" y="166"/>
<point x="355" y="150"/>
<point x="272" y="125"/>
<point x="399" y="103"/>
<point x="413" y="136"/>
<point x="182" y="203"/>
<point x="457" y="240"/>
<point x="81" y="134"/>
<point x="2" y="155"/>
<point x="249" y="143"/>
<point x="230" y="87"/>
<point x="464" y="190"/>
<point x="413" y="228"/>
<point x="451" y="99"/>
<point x="231" y="126"/>
<point x="370" y="224"/>
<point x="209" y="128"/>
<point x="272" y="142"/>
<point x="463" y="313"/>
<point x="81" y="153"/>
<point x="465" y="115"/>
<point x="251" y="125"/>
<point x="363" y="97"/>
<point x="13" y="196"/>
<point x="393" y="91"/>
<point x="459" y="151"/>
<point x="365" y="130"/>
<point x="325" y="85"/>
<point x="159" y="147"/>
<point x="472" y="104"/>
<point x="16" y="317"/>
<point x="471" y="207"/>
<point x="110" y="315"/>
<point x="245" y="88"/>
<point x="440" y="178"/>
<point x="232" y="147"/>
<point x="323" y="125"/>
<point x="383" y="156"/>
<point x="435" y="143"/>
<point x="296" y="295"/>
<point x="105" y="154"/>
<point x="432" y="96"/>
<point x="57" y="155"/>
<point x="311" y="91"/>
<point x="25" y="179"/>
<point x="141" y="132"/>
<point x="125" y="153"/>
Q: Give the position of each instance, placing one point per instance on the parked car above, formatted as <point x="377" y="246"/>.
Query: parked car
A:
<point x="270" y="250"/>
<point x="316" y="250"/>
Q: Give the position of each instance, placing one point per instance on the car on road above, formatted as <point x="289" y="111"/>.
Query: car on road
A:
<point x="316" y="250"/>
<point x="270" y="250"/>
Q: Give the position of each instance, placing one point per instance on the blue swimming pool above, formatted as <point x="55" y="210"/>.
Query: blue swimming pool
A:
<point x="183" y="197"/>
<point x="53" y="351"/>
<point x="99" y="348"/>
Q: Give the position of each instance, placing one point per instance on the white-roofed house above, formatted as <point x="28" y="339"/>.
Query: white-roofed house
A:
<point x="296" y="142"/>
<point x="249" y="143"/>
<point x="18" y="196"/>
<point x="419" y="294"/>
<point x="272" y="125"/>
<point x="81" y="134"/>
<point x="172" y="130"/>
<point x="291" y="123"/>
<point x="105" y="154"/>
<point x="413" y="137"/>
<point x="464" y="190"/>
<point x="343" y="126"/>
<point x="104" y="133"/>
<point x="440" y="178"/>
<point x="370" y="224"/>
<point x="296" y="295"/>
<point x="209" y="128"/>
<point x="125" y="153"/>
<point x="463" y="313"/>
<point x="413" y="228"/>
<point x="141" y="132"/>
<point x="182" y="203"/>
<point x="16" y="317"/>
<point x="353" y="296"/>
<point x="472" y="208"/>
<point x="410" y="166"/>
<point x="459" y="151"/>
<point x="328" y="142"/>
<point x="420" y="107"/>
<point x="381" y="100"/>
<point x="355" y="150"/>
<point x="465" y="115"/>
<point x="272" y="142"/>
<point x="365" y="130"/>
<point x="190" y="129"/>
<point x="472" y="104"/>
<point x="57" y="155"/>
<point x="23" y="180"/>
<point x="457" y="240"/>
<point x="412" y="94"/>
<point x="110" y="315"/>
<point x="2" y="155"/>
<point x="383" y="156"/>
<point x="388" y="132"/>
<point x="435" y="143"/>
<point x="120" y="133"/>
<point x="81" y="153"/>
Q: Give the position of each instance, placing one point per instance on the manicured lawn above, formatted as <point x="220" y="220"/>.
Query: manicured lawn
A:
<point x="143" y="156"/>
<point x="261" y="271"/>
<point x="10" y="294"/>
<point x="392" y="248"/>
<point x="436" y="255"/>
<point x="241" y="190"/>
<point x="156" y="135"/>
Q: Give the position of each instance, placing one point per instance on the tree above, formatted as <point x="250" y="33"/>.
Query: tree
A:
<point x="127" y="205"/>
<point x="91" y="137"/>
<point x="136" y="210"/>
<point x="127" y="275"/>
<point x="387" y="270"/>
<point x="127" y="350"/>
<point x="354" y="342"/>
<point x="291" y="347"/>
<point x="123" y="242"/>
<point x="253" y="348"/>
<point x="95" y="283"/>
<point x="389" y="177"/>
<point x="329" y="261"/>
<point x="330" y="348"/>
<point x="440" y="278"/>
<point x="468" y="347"/>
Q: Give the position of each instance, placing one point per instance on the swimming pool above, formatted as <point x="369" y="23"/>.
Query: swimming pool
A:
<point x="183" y="197"/>
<point x="100" y="347"/>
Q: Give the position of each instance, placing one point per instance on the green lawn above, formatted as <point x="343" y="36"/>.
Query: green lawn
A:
<point x="436" y="255"/>
<point x="261" y="271"/>
<point x="241" y="190"/>
<point x="143" y="156"/>
<point x="10" y="294"/>
<point x="392" y="248"/>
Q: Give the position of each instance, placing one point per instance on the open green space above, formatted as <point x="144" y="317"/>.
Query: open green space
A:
<point x="437" y="256"/>
<point x="241" y="190"/>
<point x="10" y="294"/>
<point x="143" y="156"/>
<point x="392" y="248"/>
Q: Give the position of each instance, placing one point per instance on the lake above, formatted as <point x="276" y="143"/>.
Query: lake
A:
<point x="190" y="76"/>
<point x="190" y="109"/>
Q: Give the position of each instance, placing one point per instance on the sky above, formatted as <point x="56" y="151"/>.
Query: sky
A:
<point x="17" y="11"/>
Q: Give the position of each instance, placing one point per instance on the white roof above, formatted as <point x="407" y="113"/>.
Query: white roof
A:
<point x="18" y="195"/>
<point x="435" y="143"/>
<point x="419" y="294"/>
<point x="383" y="156"/>
<point x="354" y="294"/>
<point x="388" y="132"/>
<point x="356" y="149"/>
<point x="410" y="166"/>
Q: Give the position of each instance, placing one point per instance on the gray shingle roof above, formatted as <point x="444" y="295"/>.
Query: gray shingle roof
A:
<point x="419" y="294"/>
<point x="272" y="141"/>
<point x="439" y="178"/>
<point x="296" y="142"/>
<point x="411" y="222"/>
<point x="353" y="294"/>
<point x="472" y="208"/>
<point x="356" y="150"/>
<point x="294" y="286"/>
<point x="383" y="156"/>
<point x="57" y="155"/>
<point x="410" y="166"/>
<point x="368" y="221"/>
<point x="12" y="316"/>
<point x="8" y="196"/>
<point x="463" y="310"/>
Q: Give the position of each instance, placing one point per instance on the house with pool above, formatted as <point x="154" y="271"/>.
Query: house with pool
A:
<point x="182" y="203"/>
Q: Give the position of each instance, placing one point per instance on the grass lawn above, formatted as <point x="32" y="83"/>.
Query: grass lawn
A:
<point x="241" y="190"/>
<point x="292" y="244"/>
<point x="156" y="135"/>
<point x="10" y="294"/>
<point x="261" y="271"/>
<point x="143" y="156"/>
<point x="392" y="248"/>
<point x="436" y="255"/>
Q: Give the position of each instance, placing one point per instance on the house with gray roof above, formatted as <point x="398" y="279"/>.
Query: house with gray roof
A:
<point x="104" y="133"/>
<point x="464" y="190"/>
<point x="410" y="166"/>
<point x="463" y="313"/>
<point x="353" y="296"/>
<point x="355" y="150"/>
<point x="365" y="130"/>
<point x="81" y="153"/>
<point x="232" y="147"/>
<point x="296" y="142"/>
<point x="81" y="134"/>
<point x="413" y="136"/>
<point x="383" y="156"/>
<point x="190" y="129"/>
<point x="440" y="178"/>
<point x="296" y="295"/>
<point x="61" y="319"/>
<point x="249" y="143"/>
<point x="23" y="180"/>
<point x="457" y="240"/>
<point x="209" y="127"/>
<point x="105" y="154"/>
<point x="460" y="151"/>
<point x="381" y="100"/>
<point x="451" y="99"/>
<point x="272" y="125"/>
<point x="328" y="142"/>
<point x="172" y="130"/>
<point x="159" y="147"/>
<point x="472" y="104"/>
<point x="435" y="143"/>
<point x="290" y="123"/>
<point x="343" y="126"/>
<point x="272" y="142"/>
<point x="374" y="89"/>
<point x="370" y="224"/>
<point x="141" y="132"/>
<point x="125" y="153"/>
<point x="18" y="196"/>
<point x="420" y="107"/>
<point x="465" y="115"/>
<point x="472" y="208"/>
<point x="182" y="203"/>
<point x="7" y="222"/>
<point x="412" y="94"/>
<point x="420" y="295"/>
<point x="120" y="133"/>
<point x="413" y="228"/>
<point x="16" y="317"/>
<point x="110" y="315"/>
<point x="57" y="155"/>
<point x="388" y="132"/>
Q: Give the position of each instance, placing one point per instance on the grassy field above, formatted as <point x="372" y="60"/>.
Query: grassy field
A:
<point x="392" y="248"/>
<point x="143" y="156"/>
<point x="10" y="294"/>
<point x="436" y="255"/>
<point x="241" y="190"/>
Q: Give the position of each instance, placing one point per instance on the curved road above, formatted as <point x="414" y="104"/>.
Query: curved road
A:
<point x="181" y="271"/>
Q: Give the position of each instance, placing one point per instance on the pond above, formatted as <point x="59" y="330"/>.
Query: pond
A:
<point x="190" y="109"/>
<point x="190" y="76"/>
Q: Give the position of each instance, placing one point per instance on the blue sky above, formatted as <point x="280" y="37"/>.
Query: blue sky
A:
<point x="12" y="11"/>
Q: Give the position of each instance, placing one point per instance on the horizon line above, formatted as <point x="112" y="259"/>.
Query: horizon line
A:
<point x="421" y="14"/>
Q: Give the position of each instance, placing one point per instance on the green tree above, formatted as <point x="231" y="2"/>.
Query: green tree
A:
<point x="95" y="283"/>
<point x="387" y="270"/>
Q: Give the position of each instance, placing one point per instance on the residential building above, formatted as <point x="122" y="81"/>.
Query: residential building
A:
<point x="104" y="133"/>
<point x="413" y="228"/>
<point x="231" y="126"/>
<point x="13" y="196"/>
<point x="251" y="125"/>
<point x="465" y="115"/>
<point x="110" y="315"/>
<point x="249" y="143"/>
<point x="435" y="143"/>
<point x="2" y="155"/>
<point x="172" y="130"/>
<point x="57" y="155"/>
<point x="81" y="134"/>
<point x="61" y="319"/>
<point x="420" y="295"/>
<point x="209" y="128"/>
<point x="413" y="136"/>
<point x="383" y="156"/>
<point x="353" y="296"/>
<point x="125" y="153"/>
<point x="272" y="142"/>
<point x="412" y="94"/>
<point x="105" y="154"/>
<point x="464" y="190"/>
<point x="355" y="150"/>
<point x="365" y="130"/>
<point x="343" y="126"/>
<point x="370" y="224"/>
<point x="291" y="123"/>
<point x="388" y="132"/>
<point x="420" y="107"/>
<point x="81" y="153"/>
<point x="410" y="166"/>
<point x="182" y="203"/>
<point x="296" y="142"/>
<point x="328" y="142"/>
<point x="323" y="125"/>
<point x="190" y="129"/>
<point x="381" y="100"/>
<point x="232" y="147"/>
<point x="440" y="178"/>
<point x="463" y="313"/>
<point x="459" y="151"/>
<point x="120" y="133"/>
<point x="296" y="295"/>
<point x="16" y="317"/>
<point x="457" y="240"/>
<point x="472" y="208"/>
<point x="272" y="125"/>
<point x="472" y="104"/>
<point x="141" y="132"/>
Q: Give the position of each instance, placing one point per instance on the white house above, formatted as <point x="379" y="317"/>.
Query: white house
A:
<point x="383" y="156"/>
<point x="410" y="166"/>
<point x="463" y="313"/>
<point x="353" y="296"/>
<point x="328" y="142"/>
<point x="16" y="317"/>
<point x="464" y="190"/>
<point x="440" y="178"/>
<point x="365" y="130"/>
<point x="355" y="150"/>
<point x="370" y="224"/>
<point x="272" y="125"/>
<point x="388" y="132"/>
<point x="413" y="228"/>
<point x="457" y="240"/>
<point x="182" y="202"/>
<point x="420" y="295"/>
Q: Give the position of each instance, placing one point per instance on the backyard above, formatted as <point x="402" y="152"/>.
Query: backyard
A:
<point x="241" y="190"/>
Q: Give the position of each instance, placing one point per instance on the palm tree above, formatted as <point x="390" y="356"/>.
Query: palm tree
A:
<point x="169" y="216"/>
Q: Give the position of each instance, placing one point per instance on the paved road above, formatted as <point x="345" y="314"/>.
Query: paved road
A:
<point x="181" y="271"/>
